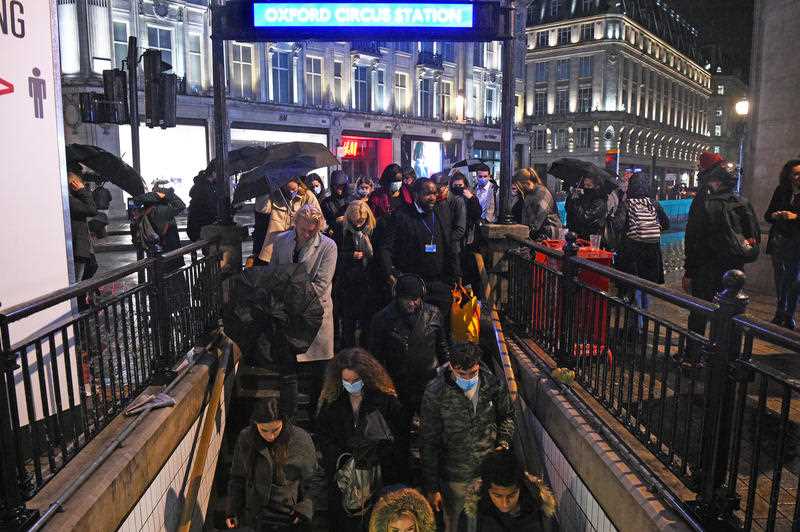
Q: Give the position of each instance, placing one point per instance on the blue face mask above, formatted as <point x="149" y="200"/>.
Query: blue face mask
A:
<point x="467" y="384"/>
<point x="353" y="387"/>
<point x="363" y="192"/>
<point x="482" y="181"/>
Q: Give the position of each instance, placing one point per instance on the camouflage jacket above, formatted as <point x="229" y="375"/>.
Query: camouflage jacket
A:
<point x="456" y="438"/>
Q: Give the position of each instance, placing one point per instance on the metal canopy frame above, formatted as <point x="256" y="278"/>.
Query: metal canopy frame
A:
<point x="233" y="22"/>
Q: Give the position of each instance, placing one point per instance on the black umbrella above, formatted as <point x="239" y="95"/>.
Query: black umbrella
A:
<point x="106" y="167"/>
<point x="572" y="171"/>
<point x="283" y="162"/>
<point x="273" y="312"/>
<point x="242" y="159"/>
<point x="472" y="164"/>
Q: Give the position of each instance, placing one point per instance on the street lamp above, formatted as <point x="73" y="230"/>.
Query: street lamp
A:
<point x="447" y="135"/>
<point x="742" y="109"/>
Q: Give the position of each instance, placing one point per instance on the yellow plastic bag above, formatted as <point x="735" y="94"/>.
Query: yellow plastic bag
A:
<point x="465" y="316"/>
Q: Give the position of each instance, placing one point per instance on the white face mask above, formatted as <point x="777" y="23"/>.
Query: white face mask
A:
<point x="395" y="186"/>
<point x="317" y="190"/>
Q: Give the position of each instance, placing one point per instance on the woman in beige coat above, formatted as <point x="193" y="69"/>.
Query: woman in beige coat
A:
<point x="281" y="209"/>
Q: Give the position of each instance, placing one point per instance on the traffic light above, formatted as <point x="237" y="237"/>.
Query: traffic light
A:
<point x="160" y="91"/>
<point x="115" y="88"/>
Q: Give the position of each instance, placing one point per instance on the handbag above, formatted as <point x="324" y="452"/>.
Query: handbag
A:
<point x="357" y="485"/>
<point x="465" y="316"/>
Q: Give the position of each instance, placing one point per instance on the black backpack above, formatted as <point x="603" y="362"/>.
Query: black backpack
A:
<point x="735" y="225"/>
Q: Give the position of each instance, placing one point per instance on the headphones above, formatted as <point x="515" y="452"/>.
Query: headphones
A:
<point x="414" y="276"/>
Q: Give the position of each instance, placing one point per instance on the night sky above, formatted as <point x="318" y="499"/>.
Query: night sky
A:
<point x="728" y="23"/>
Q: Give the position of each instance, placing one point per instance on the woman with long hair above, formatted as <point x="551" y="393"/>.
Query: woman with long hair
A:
<point x="281" y="207"/>
<point x="783" y="214"/>
<point x="360" y="426"/>
<point x="272" y="459"/>
<point x="352" y="286"/>
<point x="535" y="206"/>
<point x="387" y="199"/>
<point x="402" y="510"/>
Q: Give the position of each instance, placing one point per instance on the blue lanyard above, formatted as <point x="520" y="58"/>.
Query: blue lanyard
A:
<point x="426" y="225"/>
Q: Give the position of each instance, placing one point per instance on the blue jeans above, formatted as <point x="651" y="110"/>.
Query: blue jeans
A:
<point x="786" y="275"/>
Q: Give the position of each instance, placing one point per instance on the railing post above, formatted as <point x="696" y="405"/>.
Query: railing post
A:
<point x="13" y="513"/>
<point x="715" y="503"/>
<point x="161" y="326"/>
<point x="568" y="303"/>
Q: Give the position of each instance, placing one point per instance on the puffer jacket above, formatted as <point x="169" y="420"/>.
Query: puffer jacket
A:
<point x="455" y="438"/>
<point x="407" y="499"/>
<point x="252" y="482"/>
<point x="281" y="217"/>
<point x="409" y="350"/>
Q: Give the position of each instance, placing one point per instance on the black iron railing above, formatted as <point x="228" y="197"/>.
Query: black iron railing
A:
<point x="727" y="426"/>
<point x="96" y="346"/>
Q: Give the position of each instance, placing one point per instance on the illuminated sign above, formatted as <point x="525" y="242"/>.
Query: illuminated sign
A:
<point x="350" y="149"/>
<point x="362" y="15"/>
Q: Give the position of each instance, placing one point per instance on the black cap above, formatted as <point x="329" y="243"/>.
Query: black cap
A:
<point x="410" y="287"/>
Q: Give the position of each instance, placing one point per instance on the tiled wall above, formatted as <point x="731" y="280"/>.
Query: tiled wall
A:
<point x="578" y="510"/>
<point x="159" y="507"/>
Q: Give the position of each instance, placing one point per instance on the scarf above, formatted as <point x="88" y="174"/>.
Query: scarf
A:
<point x="361" y="239"/>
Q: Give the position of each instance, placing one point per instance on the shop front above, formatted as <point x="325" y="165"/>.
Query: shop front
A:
<point x="429" y="155"/>
<point x="364" y="155"/>
<point x="490" y="153"/>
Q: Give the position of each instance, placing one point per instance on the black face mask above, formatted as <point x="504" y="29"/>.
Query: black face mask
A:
<point x="458" y="191"/>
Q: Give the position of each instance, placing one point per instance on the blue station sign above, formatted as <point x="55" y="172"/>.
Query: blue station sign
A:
<point x="382" y="20"/>
<point x="409" y="15"/>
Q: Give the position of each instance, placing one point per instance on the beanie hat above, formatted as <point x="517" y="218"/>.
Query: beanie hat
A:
<point x="708" y="160"/>
<point x="410" y="286"/>
<point x="339" y="178"/>
<point x="266" y="411"/>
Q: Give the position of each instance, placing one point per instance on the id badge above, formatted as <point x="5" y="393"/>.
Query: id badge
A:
<point x="430" y="248"/>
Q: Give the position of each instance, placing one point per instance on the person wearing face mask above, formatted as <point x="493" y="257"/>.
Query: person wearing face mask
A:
<point x="333" y="206"/>
<point x="387" y="199"/>
<point x="587" y="209"/>
<point x="409" y="176"/>
<point x="359" y="415"/>
<point x="281" y="208"/>
<point x="535" y="206"/>
<point x="364" y="187"/>
<point x="466" y="414"/>
<point x="271" y="461"/>
<point x="469" y="245"/>
<point x="352" y="285"/>
<point x="419" y="240"/>
<point x="409" y="338"/>
<point x="314" y="183"/>
<point x="507" y="499"/>
<point x="486" y="191"/>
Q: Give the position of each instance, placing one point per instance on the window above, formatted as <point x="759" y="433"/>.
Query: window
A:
<point x="477" y="54"/>
<point x="716" y="149"/>
<point x="426" y="46"/>
<point x="449" y="52"/>
<point x="587" y="32"/>
<point x="404" y="46"/>
<point x="555" y="7"/>
<point x="426" y="98"/>
<point x="313" y="81"/>
<point x="489" y="110"/>
<point x="542" y="71"/>
<point x="587" y="66"/>
<point x="380" y="90"/>
<point x="491" y="56"/>
<point x="721" y="89"/>
<point x="400" y="93"/>
<point x="281" y="77"/>
<point x="585" y="99"/>
<point x="242" y="70"/>
<point x="447" y="90"/>
<point x="717" y="130"/>
<point x="560" y="139"/>
<point x="583" y="137"/>
<point x="194" y="67"/>
<point x="564" y="36"/>
<point x="562" y="101"/>
<point x="475" y="89"/>
<point x="361" y="88"/>
<point x="540" y="103"/>
<point x="539" y="140"/>
<point x="542" y="39"/>
<point x="718" y="112"/>
<point x="160" y="39"/>
<point x="337" y="83"/>
<point x="587" y="6"/>
<point x="120" y="43"/>
<point x="562" y="69"/>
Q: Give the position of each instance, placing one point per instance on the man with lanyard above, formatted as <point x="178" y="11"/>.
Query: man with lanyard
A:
<point x="418" y="241"/>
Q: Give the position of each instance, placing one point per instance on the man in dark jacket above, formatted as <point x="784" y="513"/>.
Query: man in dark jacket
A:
<point x="160" y="207"/>
<point x="704" y="263"/>
<point x="466" y="413"/>
<point x="409" y="339"/>
<point x="334" y="206"/>
<point x="587" y="209"/>
<point x="81" y="207"/>
<point x="202" y="204"/>
<point x="418" y="240"/>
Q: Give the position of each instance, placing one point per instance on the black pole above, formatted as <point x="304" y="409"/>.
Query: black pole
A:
<point x="224" y="214"/>
<point x="133" y="114"/>
<point x="507" y="121"/>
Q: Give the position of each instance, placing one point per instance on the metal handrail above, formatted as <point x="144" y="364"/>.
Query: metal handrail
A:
<point x="769" y="332"/>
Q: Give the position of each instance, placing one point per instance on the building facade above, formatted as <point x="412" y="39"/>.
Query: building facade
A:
<point x="727" y="128"/>
<point x="616" y="75"/>
<point x="424" y="104"/>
